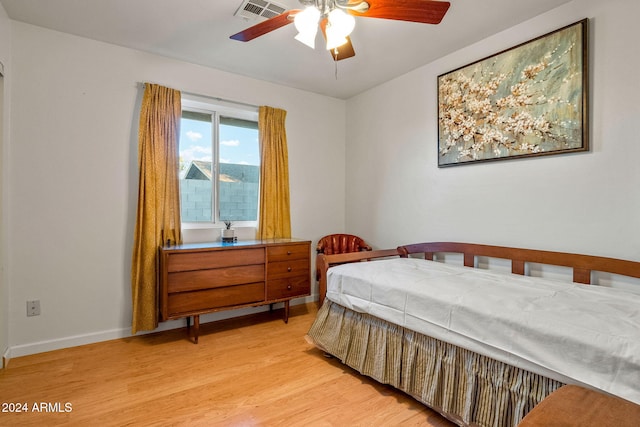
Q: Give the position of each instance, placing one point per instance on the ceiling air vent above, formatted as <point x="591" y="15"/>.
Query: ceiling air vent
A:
<point x="259" y="9"/>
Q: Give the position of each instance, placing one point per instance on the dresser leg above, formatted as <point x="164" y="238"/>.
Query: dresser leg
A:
<point x="286" y="311"/>
<point x="196" y="327"/>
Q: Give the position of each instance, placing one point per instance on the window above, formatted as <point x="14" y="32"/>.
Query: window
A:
<point x="219" y="163"/>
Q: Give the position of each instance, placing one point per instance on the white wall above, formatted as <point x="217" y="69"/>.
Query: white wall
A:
<point x="5" y="57"/>
<point x="586" y="203"/>
<point x="74" y="176"/>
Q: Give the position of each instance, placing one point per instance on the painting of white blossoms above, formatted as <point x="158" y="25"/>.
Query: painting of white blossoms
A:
<point x="530" y="100"/>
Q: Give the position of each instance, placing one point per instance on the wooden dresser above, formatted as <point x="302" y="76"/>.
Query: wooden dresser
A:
<point x="203" y="278"/>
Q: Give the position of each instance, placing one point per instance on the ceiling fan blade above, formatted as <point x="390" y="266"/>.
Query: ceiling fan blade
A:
<point x="265" y="27"/>
<point x="424" y="11"/>
<point x="341" y="52"/>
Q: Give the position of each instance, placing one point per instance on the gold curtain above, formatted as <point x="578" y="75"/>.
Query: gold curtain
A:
<point x="158" y="218"/>
<point x="274" y="219"/>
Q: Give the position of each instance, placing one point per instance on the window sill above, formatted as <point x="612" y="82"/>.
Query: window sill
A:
<point x="198" y="233"/>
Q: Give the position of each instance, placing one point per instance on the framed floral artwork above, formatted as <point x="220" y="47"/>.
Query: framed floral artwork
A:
<point x="529" y="100"/>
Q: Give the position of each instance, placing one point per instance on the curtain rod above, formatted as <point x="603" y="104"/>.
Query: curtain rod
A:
<point x="214" y="98"/>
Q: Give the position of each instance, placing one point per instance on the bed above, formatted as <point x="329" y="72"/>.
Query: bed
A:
<point x="482" y="347"/>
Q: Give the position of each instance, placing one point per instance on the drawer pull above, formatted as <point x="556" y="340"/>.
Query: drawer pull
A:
<point x="288" y="287"/>
<point x="288" y="268"/>
<point x="288" y="252"/>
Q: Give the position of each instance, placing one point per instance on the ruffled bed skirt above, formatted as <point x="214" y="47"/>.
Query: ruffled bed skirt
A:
<point x="468" y="388"/>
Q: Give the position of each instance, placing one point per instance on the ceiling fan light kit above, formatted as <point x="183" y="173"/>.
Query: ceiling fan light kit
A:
<point x="339" y="26"/>
<point x="336" y="20"/>
<point x="306" y="23"/>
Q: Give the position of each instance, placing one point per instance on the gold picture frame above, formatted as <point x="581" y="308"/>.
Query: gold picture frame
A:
<point x="529" y="100"/>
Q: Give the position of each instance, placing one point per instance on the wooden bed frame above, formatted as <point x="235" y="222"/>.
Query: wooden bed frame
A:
<point x="582" y="265"/>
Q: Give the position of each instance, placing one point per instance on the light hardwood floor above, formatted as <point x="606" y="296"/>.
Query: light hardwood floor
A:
<point x="252" y="371"/>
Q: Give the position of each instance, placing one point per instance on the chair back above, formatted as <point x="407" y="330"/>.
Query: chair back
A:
<point x="341" y="244"/>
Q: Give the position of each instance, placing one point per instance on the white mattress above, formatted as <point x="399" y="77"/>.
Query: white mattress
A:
<point x="574" y="333"/>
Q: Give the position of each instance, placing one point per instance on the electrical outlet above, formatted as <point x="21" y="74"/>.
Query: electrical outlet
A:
<point x="33" y="308"/>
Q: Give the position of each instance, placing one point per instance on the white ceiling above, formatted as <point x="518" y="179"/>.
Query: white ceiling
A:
<point x="198" y="31"/>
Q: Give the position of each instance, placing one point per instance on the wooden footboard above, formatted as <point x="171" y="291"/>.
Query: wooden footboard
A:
<point x="324" y="262"/>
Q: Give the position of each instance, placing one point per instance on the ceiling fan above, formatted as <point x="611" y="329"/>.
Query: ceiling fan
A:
<point x="335" y="19"/>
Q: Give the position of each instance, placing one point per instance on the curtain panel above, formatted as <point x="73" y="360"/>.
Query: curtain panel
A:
<point x="158" y="215"/>
<point x="274" y="219"/>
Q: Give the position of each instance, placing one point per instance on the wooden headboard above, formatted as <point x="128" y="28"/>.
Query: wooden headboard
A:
<point x="582" y="265"/>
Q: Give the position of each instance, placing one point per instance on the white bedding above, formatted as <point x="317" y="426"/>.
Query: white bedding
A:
<point x="569" y="332"/>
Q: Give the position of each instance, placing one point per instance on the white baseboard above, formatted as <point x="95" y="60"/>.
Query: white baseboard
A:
<point x="77" y="340"/>
<point x="66" y="342"/>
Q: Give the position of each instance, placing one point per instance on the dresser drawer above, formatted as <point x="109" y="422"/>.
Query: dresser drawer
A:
<point x="214" y="259"/>
<point x="214" y="278"/>
<point x="285" y="252"/>
<point x="199" y="301"/>
<point x="288" y="288"/>
<point x="282" y="269"/>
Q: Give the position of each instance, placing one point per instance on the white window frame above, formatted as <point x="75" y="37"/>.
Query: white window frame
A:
<point x="217" y="108"/>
